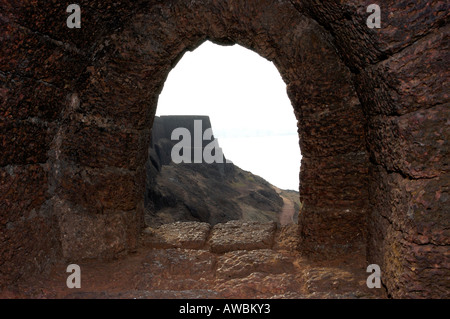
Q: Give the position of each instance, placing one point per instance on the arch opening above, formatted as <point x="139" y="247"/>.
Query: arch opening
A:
<point x="334" y="164"/>
<point x="251" y="116"/>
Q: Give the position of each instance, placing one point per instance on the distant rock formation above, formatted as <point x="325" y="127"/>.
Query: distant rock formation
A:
<point x="162" y="143"/>
<point x="212" y="193"/>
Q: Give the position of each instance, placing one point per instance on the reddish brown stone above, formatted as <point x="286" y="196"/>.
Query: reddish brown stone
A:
<point x="24" y="98"/>
<point x="409" y="270"/>
<point x="95" y="146"/>
<point x="23" y="189"/>
<point x="409" y="80"/>
<point x="102" y="236"/>
<point x="121" y="107"/>
<point x="30" y="55"/>
<point x="408" y="233"/>
<point x="415" y="144"/>
<point x="417" y="208"/>
<point x="100" y="191"/>
<point x="23" y="142"/>
<point x="401" y="25"/>
<point x="49" y="19"/>
<point x="27" y="232"/>
<point x="336" y="182"/>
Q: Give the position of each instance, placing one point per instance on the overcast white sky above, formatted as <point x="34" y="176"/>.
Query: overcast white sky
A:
<point x="246" y="100"/>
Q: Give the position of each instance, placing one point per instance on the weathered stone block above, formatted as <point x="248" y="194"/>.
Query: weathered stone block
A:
<point x="338" y="181"/>
<point x="23" y="142"/>
<point x="329" y="232"/>
<point x="23" y="189"/>
<point x="28" y="245"/>
<point x="104" y="236"/>
<point x="415" y="144"/>
<point x="236" y="235"/>
<point x="401" y="25"/>
<point x="98" y="18"/>
<point x="100" y="191"/>
<point x="121" y="92"/>
<point x="28" y="234"/>
<point x="190" y="235"/>
<point x="409" y="80"/>
<point x="418" y="208"/>
<point x="329" y="132"/>
<point x="241" y="263"/>
<point x="409" y="270"/>
<point x="408" y="233"/>
<point x="22" y="98"/>
<point x="184" y="263"/>
<point x="29" y="54"/>
<point x="99" y="147"/>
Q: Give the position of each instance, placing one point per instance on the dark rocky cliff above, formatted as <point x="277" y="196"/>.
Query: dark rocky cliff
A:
<point x="212" y="193"/>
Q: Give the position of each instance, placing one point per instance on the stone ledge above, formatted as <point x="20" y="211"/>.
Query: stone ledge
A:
<point x="221" y="238"/>
<point x="190" y="235"/>
<point x="238" y="235"/>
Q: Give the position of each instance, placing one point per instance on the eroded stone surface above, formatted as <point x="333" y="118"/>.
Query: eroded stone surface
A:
<point x="262" y="285"/>
<point x="287" y="238"/>
<point x="241" y="263"/>
<point x="236" y="235"/>
<point x="191" y="235"/>
<point x="179" y="269"/>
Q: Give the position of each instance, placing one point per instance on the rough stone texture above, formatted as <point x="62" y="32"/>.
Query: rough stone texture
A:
<point x="411" y="221"/>
<point x="235" y="235"/>
<point x="330" y="220"/>
<point x="183" y="268"/>
<point x="287" y="238"/>
<point x="192" y="235"/>
<point x="261" y="285"/>
<point x="415" y="73"/>
<point x="401" y="78"/>
<point x="27" y="233"/>
<point x="115" y="233"/>
<point x="377" y="98"/>
<point x="414" y="144"/>
<point x="241" y="263"/>
<point x="98" y="147"/>
<point x="99" y="191"/>
<point x="402" y="24"/>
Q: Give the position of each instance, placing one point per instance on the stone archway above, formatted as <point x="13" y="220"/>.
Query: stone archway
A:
<point x="372" y="125"/>
<point x="103" y="144"/>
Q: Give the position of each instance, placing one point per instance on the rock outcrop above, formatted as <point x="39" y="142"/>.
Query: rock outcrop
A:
<point x="206" y="192"/>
